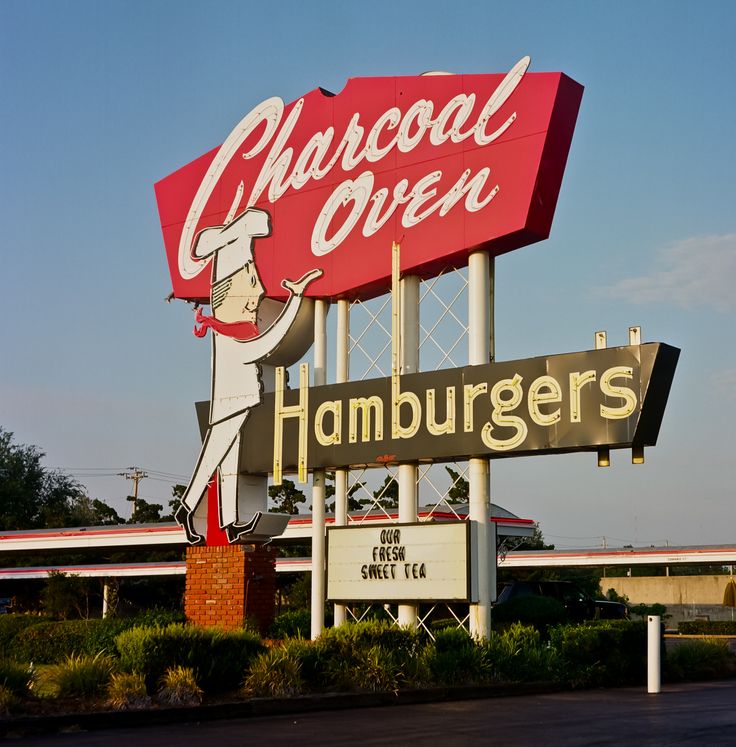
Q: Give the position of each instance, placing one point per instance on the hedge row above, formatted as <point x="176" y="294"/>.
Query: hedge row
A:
<point x="376" y="656"/>
<point x="42" y="641"/>
<point x="707" y="627"/>
<point x="11" y="625"/>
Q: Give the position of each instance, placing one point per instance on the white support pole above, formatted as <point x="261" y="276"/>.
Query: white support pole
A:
<point x="342" y="368"/>
<point x="654" y="643"/>
<point x="318" y="481"/>
<point x="480" y="308"/>
<point x="480" y="351"/>
<point x="408" y="363"/>
<point x="105" y="598"/>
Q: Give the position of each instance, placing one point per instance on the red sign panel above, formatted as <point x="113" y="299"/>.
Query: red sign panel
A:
<point x="444" y="164"/>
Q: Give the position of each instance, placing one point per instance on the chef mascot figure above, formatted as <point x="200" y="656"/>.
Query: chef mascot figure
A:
<point x="238" y="349"/>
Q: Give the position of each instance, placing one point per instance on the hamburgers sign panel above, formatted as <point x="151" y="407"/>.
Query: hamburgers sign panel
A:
<point x="612" y="398"/>
<point x="445" y="163"/>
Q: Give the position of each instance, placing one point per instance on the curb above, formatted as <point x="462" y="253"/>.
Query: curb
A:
<point x="32" y="725"/>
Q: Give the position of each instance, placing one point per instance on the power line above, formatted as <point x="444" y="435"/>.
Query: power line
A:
<point x="115" y="471"/>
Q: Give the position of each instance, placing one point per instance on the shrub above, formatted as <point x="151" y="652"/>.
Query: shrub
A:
<point x="602" y="653"/>
<point x="453" y="639"/>
<point x="441" y="623"/>
<point x="16" y="676"/>
<point x="699" y="660"/>
<point x="219" y="659"/>
<point x="154" y="616"/>
<point x="127" y="692"/>
<point x="707" y="627"/>
<point x="50" y="642"/>
<point x="374" y="668"/>
<point x="277" y="673"/>
<point x="340" y="656"/>
<point x="404" y="641"/>
<point x="519" y="636"/>
<point x="79" y="675"/>
<point x="11" y="625"/>
<point x="517" y="654"/>
<point x="454" y="658"/>
<point x="102" y="634"/>
<point x="369" y="655"/>
<point x="8" y="700"/>
<point x="291" y="624"/>
<point x="178" y="687"/>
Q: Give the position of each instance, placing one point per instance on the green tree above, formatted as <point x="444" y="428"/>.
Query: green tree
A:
<point x="32" y="497"/>
<point x="177" y="493"/>
<point x="535" y="542"/>
<point x="286" y="497"/>
<point x="299" y="593"/>
<point x="459" y="490"/>
<point x="105" y="515"/>
<point x="387" y="494"/>
<point x="145" y="512"/>
<point x="66" y="596"/>
<point x="21" y="484"/>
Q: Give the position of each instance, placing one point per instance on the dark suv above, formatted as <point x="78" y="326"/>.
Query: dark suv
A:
<point x="578" y="605"/>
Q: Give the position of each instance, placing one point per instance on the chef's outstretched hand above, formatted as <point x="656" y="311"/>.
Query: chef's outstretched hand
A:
<point x="297" y="287"/>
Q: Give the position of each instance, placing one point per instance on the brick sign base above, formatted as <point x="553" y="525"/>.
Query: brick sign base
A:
<point x="225" y="586"/>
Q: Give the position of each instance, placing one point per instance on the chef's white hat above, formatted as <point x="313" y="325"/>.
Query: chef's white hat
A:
<point x="232" y="244"/>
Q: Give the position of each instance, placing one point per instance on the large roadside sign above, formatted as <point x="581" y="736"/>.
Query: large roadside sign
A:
<point x="448" y="163"/>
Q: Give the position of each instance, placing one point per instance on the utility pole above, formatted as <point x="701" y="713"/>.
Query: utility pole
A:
<point x="136" y="475"/>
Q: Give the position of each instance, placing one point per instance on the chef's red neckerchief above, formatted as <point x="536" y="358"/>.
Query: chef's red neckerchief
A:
<point x="236" y="330"/>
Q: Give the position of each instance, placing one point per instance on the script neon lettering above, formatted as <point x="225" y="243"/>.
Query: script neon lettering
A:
<point x="283" y="168"/>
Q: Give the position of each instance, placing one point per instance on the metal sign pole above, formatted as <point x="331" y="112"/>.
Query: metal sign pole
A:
<point x="318" y="480"/>
<point x="409" y="363"/>
<point x="480" y="350"/>
<point x="342" y="370"/>
<point x="404" y="350"/>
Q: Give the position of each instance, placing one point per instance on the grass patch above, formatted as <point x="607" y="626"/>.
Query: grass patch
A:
<point x="9" y="701"/>
<point x="16" y="676"/>
<point x="80" y="675"/>
<point x="277" y="673"/>
<point x="178" y="687"/>
<point x="126" y="691"/>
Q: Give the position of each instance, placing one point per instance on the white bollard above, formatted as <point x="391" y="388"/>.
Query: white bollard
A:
<point x="654" y="641"/>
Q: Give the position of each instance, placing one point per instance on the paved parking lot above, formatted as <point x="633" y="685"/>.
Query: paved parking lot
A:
<point x="691" y="714"/>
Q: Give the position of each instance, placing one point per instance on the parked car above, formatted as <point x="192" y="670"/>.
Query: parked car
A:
<point x="578" y="605"/>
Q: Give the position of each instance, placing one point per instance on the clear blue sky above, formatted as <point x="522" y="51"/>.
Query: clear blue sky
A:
<point x="102" y="99"/>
